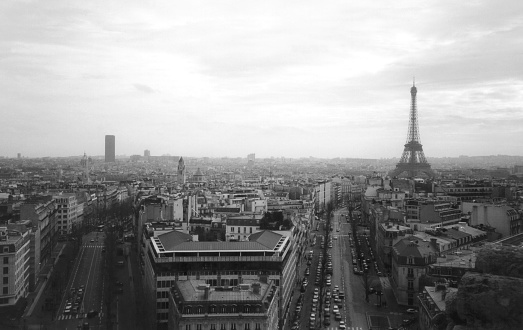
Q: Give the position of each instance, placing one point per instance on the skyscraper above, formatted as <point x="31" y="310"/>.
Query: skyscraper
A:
<point x="109" y="149"/>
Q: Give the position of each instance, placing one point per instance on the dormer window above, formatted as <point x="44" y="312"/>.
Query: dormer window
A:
<point x="410" y="260"/>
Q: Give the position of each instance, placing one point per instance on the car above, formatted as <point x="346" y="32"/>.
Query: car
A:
<point x="328" y="283"/>
<point x="337" y="301"/>
<point x="118" y="290"/>
<point x="92" y="240"/>
<point x="337" y="317"/>
<point x="327" y="321"/>
<point x="92" y="313"/>
<point x="342" y="326"/>
<point x="412" y="310"/>
<point x="342" y="295"/>
<point x="335" y="309"/>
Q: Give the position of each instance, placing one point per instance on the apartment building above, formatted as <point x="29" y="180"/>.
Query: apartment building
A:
<point x="15" y="257"/>
<point x="410" y="260"/>
<point x="42" y="213"/>
<point x="240" y="227"/>
<point x="173" y="256"/>
<point x="67" y="212"/>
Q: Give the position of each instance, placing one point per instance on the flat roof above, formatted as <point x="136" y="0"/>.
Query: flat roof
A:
<point x="192" y="291"/>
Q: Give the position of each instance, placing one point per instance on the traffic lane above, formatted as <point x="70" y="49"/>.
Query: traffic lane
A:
<point x="337" y="279"/>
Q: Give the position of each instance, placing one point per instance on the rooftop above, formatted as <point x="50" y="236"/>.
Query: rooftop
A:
<point x="194" y="291"/>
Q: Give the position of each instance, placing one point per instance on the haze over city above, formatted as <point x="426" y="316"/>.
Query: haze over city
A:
<point x="293" y="79"/>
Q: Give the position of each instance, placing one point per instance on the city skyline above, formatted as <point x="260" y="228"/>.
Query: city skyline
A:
<point x="278" y="79"/>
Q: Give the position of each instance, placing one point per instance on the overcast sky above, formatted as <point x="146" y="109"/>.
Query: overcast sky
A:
<point x="275" y="78"/>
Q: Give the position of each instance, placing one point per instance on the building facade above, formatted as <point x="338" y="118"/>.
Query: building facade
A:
<point x="15" y="258"/>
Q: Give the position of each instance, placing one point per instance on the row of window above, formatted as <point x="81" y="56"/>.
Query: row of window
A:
<point x="223" y="309"/>
<point x="246" y="326"/>
<point x="244" y="230"/>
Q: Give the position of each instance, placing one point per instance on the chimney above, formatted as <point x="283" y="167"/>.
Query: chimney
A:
<point x="206" y="292"/>
<point x="256" y="288"/>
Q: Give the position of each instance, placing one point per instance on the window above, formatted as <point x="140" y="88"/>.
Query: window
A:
<point x="411" y="285"/>
<point x="258" y="326"/>
<point x="222" y="327"/>
<point x="6" y="270"/>
<point x="213" y="326"/>
<point x="410" y="260"/>
<point x="198" y="327"/>
<point x="247" y="326"/>
<point x="6" y="280"/>
<point x="233" y="326"/>
<point x="244" y="230"/>
<point x="4" y="291"/>
<point x="251" y="229"/>
<point x="187" y="327"/>
<point x="232" y="229"/>
<point x="410" y="272"/>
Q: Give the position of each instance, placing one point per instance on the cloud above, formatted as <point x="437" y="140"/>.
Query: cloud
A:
<point x="143" y="88"/>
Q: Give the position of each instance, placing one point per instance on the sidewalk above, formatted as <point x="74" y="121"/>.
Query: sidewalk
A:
<point x="35" y="296"/>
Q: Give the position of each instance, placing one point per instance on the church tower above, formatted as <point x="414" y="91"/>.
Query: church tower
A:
<point x="181" y="171"/>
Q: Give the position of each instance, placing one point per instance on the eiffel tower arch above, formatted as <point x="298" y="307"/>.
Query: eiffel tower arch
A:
<point x="413" y="161"/>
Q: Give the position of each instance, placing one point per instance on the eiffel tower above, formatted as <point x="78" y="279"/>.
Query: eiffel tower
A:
<point x="413" y="159"/>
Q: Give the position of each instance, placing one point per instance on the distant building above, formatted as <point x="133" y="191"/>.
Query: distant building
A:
<point x="423" y="213"/>
<point x="507" y="220"/>
<point x="181" y="171"/>
<point x="194" y="304"/>
<point x="240" y="227"/>
<point x="67" y="214"/>
<point x="147" y="153"/>
<point x="250" y="160"/>
<point x="110" y="149"/>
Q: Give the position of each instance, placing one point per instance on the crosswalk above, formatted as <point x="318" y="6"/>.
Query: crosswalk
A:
<point x="93" y="246"/>
<point x="77" y="316"/>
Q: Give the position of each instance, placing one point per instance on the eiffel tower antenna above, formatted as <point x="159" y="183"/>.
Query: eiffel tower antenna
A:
<point x="413" y="160"/>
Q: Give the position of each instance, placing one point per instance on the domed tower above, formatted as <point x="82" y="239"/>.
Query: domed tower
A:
<point x="181" y="171"/>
